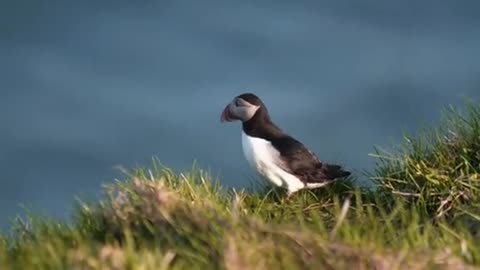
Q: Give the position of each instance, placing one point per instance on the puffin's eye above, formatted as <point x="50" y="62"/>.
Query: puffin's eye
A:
<point x="238" y="103"/>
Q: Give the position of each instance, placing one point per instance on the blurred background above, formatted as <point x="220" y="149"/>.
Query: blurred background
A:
<point x="88" y="85"/>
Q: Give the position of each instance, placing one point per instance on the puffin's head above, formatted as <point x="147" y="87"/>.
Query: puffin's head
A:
<point x="242" y="107"/>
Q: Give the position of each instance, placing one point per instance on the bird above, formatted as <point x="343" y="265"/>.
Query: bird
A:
<point x="275" y="155"/>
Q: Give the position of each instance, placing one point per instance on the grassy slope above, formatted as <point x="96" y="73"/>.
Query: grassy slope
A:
<point x="424" y="214"/>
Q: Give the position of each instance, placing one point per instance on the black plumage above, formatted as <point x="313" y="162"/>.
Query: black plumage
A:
<point x="295" y="158"/>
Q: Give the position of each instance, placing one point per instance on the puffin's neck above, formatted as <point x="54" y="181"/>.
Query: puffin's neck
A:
<point x="261" y="126"/>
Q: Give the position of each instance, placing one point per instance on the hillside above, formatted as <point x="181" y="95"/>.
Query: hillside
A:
<point x="423" y="212"/>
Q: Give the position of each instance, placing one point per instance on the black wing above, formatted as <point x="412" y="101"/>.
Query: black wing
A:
<point x="296" y="159"/>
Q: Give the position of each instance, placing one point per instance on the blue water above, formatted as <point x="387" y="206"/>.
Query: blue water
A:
<point x="90" y="85"/>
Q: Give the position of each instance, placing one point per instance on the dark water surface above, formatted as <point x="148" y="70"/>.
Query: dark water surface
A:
<point x="88" y="85"/>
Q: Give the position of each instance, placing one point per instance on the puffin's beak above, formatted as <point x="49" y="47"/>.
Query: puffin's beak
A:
<point x="227" y="115"/>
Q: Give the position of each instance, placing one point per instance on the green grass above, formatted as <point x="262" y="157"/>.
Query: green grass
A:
<point x="422" y="213"/>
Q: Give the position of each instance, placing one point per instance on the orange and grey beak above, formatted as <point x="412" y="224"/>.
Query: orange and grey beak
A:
<point x="227" y="115"/>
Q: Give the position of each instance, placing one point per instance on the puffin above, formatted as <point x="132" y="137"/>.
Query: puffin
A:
<point x="276" y="156"/>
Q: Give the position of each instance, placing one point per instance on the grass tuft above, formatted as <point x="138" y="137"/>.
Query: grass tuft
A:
<point x="438" y="171"/>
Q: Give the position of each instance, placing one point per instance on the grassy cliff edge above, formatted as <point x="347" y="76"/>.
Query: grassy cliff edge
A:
<point x="422" y="213"/>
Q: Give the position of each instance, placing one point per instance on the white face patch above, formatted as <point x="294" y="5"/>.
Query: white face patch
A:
<point x="263" y="157"/>
<point x="243" y="109"/>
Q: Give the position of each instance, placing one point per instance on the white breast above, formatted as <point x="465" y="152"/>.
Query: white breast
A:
<point x="262" y="156"/>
